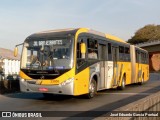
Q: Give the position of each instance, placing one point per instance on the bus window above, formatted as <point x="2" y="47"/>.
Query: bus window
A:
<point x="127" y="54"/>
<point x="147" y="58"/>
<point x="121" y="53"/>
<point x="142" y="57"/>
<point x="102" y="52"/>
<point x="109" y="52"/>
<point x="137" y="56"/>
<point x="92" y="49"/>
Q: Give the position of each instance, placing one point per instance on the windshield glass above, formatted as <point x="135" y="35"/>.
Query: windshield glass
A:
<point x="47" y="54"/>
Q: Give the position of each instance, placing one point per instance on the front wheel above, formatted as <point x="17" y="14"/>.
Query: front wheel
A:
<point x="92" y="89"/>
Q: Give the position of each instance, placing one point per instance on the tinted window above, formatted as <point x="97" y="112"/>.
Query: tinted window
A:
<point x="121" y="53"/>
<point x="109" y="52"/>
<point x="127" y="54"/>
<point x="92" y="49"/>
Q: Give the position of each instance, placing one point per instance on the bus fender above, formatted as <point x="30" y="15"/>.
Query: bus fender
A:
<point x="94" y="75"/>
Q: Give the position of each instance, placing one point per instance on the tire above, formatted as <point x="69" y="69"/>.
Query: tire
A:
<point x="123" y="84"/>
<point x="92" y="89"/>
<point x="142" y="81"/>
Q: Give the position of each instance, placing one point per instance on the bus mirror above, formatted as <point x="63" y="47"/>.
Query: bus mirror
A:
<point x="15" y="51"/>
<point x="83" y="48"/>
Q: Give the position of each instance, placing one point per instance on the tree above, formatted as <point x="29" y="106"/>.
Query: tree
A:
<point x="147" y="33"/>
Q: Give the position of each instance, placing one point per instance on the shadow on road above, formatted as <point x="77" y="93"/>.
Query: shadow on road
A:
<point x="39" y="96"/>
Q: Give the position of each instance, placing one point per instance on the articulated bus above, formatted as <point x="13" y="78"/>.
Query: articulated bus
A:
<point x="79" y="62"/>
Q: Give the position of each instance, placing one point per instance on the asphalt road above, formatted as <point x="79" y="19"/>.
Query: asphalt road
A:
<point x="61" y="107"/>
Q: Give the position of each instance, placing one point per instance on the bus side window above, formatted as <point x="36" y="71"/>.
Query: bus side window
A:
<point x="92" y="49"/>
<point x="147" y="57"/>
<point x="109" y="52"/>
<point x="121" y="53"/>
<point x="142" y="57"/>
<point x="137" y="56"/>
<point x="127" y="54"/>
<point x="102" y="52"/>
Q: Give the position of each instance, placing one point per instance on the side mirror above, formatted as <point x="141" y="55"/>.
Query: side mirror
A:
<point x="15" y="51"/>
<point x="83" y="48"/>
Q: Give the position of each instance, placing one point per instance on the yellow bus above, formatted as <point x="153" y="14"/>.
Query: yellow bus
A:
<point x="79" y="61"/>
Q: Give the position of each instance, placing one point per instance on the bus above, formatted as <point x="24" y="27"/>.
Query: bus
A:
<point x="79" y="61"/>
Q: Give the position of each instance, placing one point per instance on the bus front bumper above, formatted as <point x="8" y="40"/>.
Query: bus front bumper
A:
<point x="67" y="89"/>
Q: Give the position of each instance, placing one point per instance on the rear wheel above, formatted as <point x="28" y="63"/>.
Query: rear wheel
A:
<point x="92" y="89"/>
<point x="142" y="80"/>
<point x="123" y="84"/>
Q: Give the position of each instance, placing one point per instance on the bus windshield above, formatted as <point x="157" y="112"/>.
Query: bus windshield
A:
<point x="47" y="54"/>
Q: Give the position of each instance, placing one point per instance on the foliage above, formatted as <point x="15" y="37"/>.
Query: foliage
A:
<point x="147" y="33"/>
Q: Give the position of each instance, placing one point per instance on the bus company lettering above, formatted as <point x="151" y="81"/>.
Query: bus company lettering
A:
<point x="48" y="42"/>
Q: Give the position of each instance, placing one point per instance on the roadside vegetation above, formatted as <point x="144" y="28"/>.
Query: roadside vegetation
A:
<point x="147" y="33"/>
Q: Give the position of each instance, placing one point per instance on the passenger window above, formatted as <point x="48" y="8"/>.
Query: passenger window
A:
<point x="92" y="49"/>
<point x="109" y="52"/>
<point x="121" y="53"/>
<point x="127" y="54"/>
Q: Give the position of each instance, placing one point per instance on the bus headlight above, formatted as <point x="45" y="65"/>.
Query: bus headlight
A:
<point x="67" y="81"/>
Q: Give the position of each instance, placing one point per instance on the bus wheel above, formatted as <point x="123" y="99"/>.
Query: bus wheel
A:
<point x="123" y="84"/>
<point x="92" y="89"/>
<point x="142" y="81"/>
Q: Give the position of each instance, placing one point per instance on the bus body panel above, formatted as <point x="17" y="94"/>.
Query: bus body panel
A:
<point x="56" y="89"/>
<point x="81" y="84"/>
<point x="53" y="85"/>
<point x="110" y="74"/>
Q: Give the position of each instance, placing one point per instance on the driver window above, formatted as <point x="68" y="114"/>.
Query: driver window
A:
<point x="32" y="56"/>
<point x="80" y="57"/>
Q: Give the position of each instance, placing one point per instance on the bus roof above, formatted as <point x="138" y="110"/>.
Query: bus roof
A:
<point x="114" y="38"/>
<point x="73" y="31"/>
<point x="140" y="48"/>
<point x="57" y="30"/>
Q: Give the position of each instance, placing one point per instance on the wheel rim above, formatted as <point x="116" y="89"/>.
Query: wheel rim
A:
<point x="142" y="80"/>
<point x="123" y="83"/>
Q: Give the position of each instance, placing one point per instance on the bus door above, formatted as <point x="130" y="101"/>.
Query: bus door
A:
<point x="115" y="65"/>
<point x="103" y="75"/>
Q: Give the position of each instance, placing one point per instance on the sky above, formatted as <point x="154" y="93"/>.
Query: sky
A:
<point x="122" y="18"/>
